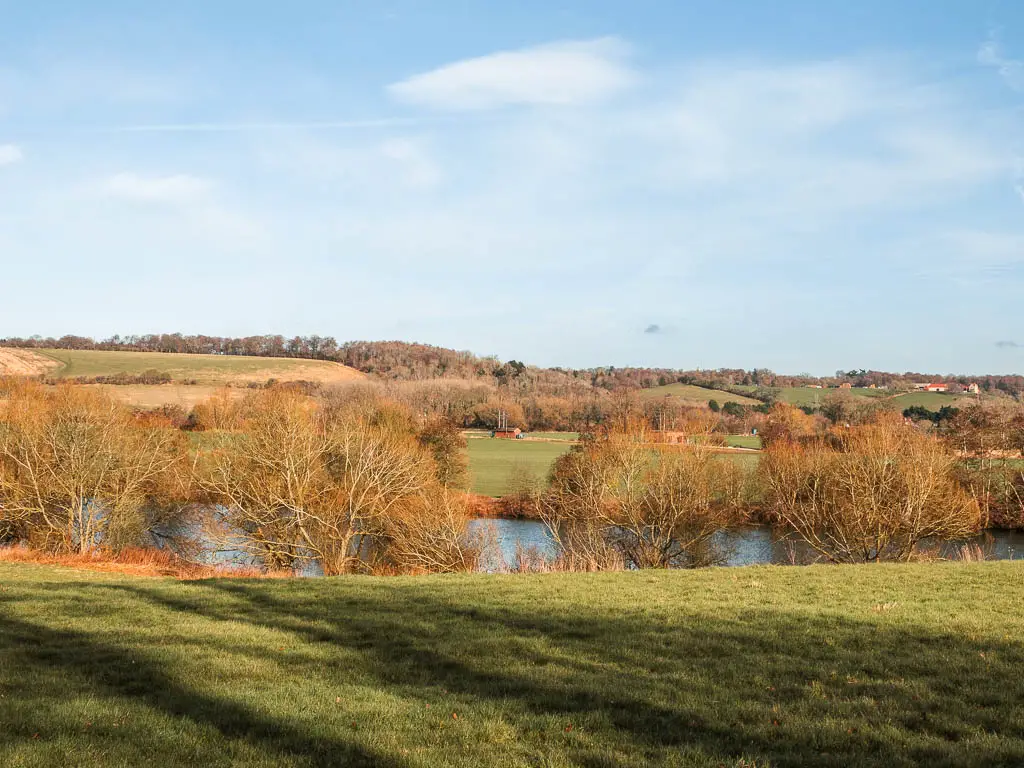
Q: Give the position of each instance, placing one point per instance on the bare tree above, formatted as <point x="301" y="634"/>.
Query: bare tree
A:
<point x="621" y="501"/>
<point x="77" y="472"/>
<point x="871" y="493"/>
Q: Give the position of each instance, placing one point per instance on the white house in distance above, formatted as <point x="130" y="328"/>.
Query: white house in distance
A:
<point x="939" y="386"/>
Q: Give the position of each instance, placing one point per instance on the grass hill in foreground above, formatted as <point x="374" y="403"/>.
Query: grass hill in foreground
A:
<point x="826" y="665"/>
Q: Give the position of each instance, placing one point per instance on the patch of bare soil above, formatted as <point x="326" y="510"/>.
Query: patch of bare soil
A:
<point x="24" y="362"/>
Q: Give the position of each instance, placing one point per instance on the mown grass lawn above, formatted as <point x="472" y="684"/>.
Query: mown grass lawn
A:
<point x="837" y="666"/>
<point x="493" y="462"/>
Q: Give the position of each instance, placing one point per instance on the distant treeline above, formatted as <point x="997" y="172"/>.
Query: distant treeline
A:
<point x="404" y="361"/>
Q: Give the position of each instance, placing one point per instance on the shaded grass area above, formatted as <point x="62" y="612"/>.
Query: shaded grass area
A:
<point x="492" y="462"/>
<point x="834" y="666"/>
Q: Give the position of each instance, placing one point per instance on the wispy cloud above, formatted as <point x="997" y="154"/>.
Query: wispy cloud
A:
<point x="176" y="189"/>
<point x="563" y="73"/>
<point x="653" y="328"/>
<point x="231" y="127"/>
<point x="1011" y="70"/>
<point x="1009" y="345"/>
<point x="10" y="154"/>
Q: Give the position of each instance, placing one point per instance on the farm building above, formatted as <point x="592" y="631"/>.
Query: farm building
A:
<point x="508" y="433"/>
<point x="936" y="388"/>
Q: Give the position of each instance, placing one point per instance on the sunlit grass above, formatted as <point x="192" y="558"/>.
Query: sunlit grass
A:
<point x="860" y="665"/>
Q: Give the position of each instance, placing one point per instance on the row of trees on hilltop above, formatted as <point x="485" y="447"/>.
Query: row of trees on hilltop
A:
<point x="404" y="361"/>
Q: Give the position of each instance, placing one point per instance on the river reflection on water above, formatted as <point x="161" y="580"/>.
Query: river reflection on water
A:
<point x="757" y="545"/>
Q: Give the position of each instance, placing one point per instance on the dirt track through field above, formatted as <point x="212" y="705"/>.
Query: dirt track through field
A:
<point x="25" y="362"/>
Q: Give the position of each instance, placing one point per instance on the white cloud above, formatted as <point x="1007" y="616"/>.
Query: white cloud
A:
<point x="176" y="189"/>
<point x="10" y="154"/>
<point x="563" y="74"/>
<point x="1011" y="70"/>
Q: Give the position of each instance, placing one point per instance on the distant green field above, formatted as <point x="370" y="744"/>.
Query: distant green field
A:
<point x="800" y="396"/>
<point x="206" y="369"/>
<point x="561" y="436"/>
<point x="931" y="400"/>
<point x="492" y="461"/>
<point x="743" y="441"/>
<point x="696" y="394"/>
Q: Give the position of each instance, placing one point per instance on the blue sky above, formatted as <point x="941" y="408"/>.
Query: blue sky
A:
<point x="796" y="185"/>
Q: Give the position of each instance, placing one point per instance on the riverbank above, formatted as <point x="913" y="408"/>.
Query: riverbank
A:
<point x="867" y="665"/>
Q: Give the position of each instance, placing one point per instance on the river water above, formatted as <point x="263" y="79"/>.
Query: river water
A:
<point x="756" y="545"/>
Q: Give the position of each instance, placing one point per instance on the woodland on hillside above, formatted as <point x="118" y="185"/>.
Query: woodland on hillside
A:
<point x="404" y="361"/>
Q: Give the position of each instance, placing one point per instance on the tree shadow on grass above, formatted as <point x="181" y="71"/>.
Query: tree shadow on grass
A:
<point x="42" y="668"/>
<point x="792" y="689"/>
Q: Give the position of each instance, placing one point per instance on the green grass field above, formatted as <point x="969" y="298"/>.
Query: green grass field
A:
<point x="492" y="462"/>
<point x="559" y="436"/>
<point x="743" y="441"/>
<point x="694" y="394"/>
<point x="933" y="401"/>
<point x="799" y="396"/>
<point x="207" y="369"/>
<point x="900" y="665"/>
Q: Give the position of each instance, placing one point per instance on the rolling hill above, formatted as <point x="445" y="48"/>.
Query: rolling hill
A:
<point x="203" y="369"/>
<point x="693" y="394"/>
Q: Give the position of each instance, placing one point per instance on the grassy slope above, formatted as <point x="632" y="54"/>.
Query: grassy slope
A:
<point x="830" y="666"/>
<point x="807" y="396"/>
<point x="491" y="461"/>
<point x="207" y="369"/>
<point x="931" y="400"/>
<point x="744" y="441"/>
<point x="695" y="394"/>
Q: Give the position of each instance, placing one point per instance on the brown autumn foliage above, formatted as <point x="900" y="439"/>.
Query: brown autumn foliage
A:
<point x="787" y="424"/>
<point x="349" y="485"/>
<point x="990" y="440"/>
<point x="78" y="472"/>
<point x="870" y="493"/>
<point x="617" y="501"/>
<point x="447" y="445"/>
<point x="135" y="561"/>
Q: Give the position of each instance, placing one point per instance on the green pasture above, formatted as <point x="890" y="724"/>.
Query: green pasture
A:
<point x="203" y="368"/>
<point x="494" y="462"/>
<point x="743" y="441"/>
<point x="801" y="396"/>
<point x="695" y="394"/>
<point x="879" y="665"/>
<point x="933" y="401"/>
<point x="570" y="437"/>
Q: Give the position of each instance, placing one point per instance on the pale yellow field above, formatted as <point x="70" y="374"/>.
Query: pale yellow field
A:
<point x="25" y="362"/>
<point x="204" y="369"/>
<point x="157" y="396"/>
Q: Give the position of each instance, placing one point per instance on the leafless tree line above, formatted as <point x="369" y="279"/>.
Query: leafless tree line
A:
<point x="354" y="485"/>
<point x="361" y="483"/>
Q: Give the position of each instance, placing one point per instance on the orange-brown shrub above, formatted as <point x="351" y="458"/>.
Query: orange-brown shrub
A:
<point x="870" y="493"/>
